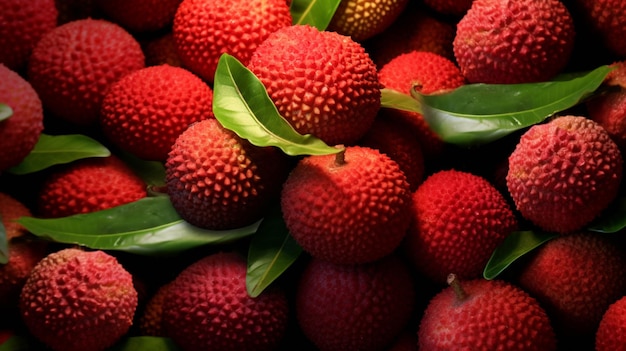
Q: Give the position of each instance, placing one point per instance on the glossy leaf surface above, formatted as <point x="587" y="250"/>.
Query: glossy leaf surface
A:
<point x="316" y="13"/>
<point x="5" y="111"/>
<point x="390" y="98"/>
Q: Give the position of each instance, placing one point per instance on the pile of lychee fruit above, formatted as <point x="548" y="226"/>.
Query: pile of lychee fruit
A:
<point x="394" y="223"/>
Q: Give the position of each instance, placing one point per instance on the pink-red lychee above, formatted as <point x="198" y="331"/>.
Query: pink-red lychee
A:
<point x="611" y="332"/>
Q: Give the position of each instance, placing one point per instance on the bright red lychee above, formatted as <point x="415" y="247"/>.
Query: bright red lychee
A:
<point x="217" y="180"/>
<point x="73" y="65"/>
<point x="605" y="18"/>
<point x="563" y="173"/>
<point x="352" y="207"/>
<point x="322" y="83"/>
<point x="89" y="185"/>
<point x="458" y="219"/>
<point x="611" y="333"/>
<point x="362" y="19"/>
<point x="207" y="307"/>
<point x="145" y="111"/>
<point x="354" y="307"/>
<point x="501" y="41"/>
<point x="20" y="132"/>
<point x="140" y="16"/>
<point x="78" y="300"/>
<point x="206" y="29"/>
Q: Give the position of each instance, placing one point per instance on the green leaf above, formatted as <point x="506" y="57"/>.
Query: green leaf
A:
<point x="316" y="13"/>
<point x="612" y="220"/>
<point x="516" y="245"/>
<point x="152" y="172"/>
<point x="149" y="226"/>
<point x="272" y="250"/>
<point x="151" y="343"/>
<point x="5" y="111"/>
<point x="396" y="100"/>
<point x="241" y="104"/>
<point x="59" y="149"/>
<point x="4" y="244"/>
<point x="481" y="113"/>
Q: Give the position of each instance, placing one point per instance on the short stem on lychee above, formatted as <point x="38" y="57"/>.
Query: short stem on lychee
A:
<point x="340" y="157"/>
<point x="455" y="284"/>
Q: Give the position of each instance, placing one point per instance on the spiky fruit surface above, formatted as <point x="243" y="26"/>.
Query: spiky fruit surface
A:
<point x="563" y="173"/>
<point x="205" y="29"/>
<point x="493" y="315"/>
<point x="574" y="277"/>
<point x="139" y="16"/>
<point x="362" y="19"/>
<point x="78" y="300"/>
<point x="217" y="180"/>
<point x="611" y="332"/>
<point x="22" y="24"/>
<point x="20" y="132"/>
<point x="456" y="8"/>
<point x="322" y="82"/>
<point x="207" y="307"/>
<point x="354" y="210"/>
<point x="459" y="218"/>
<point x="609" y="109"/>
<point x="145" y="111"/>
<point x="73" y="65"/>
<point x="606" y="17"/>
<point x="161" y="50"/>
<point x="354" y="307"/>
<point x="89" y="185"/>
<point x="501" y="41"/>
<point x="10" y="210"/>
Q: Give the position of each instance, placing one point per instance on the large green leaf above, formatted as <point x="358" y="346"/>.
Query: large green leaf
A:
<point x="612" y="220"/>
<point x="150" y="226"/>
<point x="396" y="100"/>
<point x="147" y="343"/>
<point x="5" y="111"/>
<point x="272" y="250"/>
<point x="52" y="150"/>
<point x="316" y="13"/>
<point x="241" y="104"/>
<point x="4" y="244"/>
<point x="514" y="246"/>
<point x="481" y="113"/>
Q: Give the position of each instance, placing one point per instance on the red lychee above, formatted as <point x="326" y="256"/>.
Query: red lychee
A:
<point x="140" y="16"/>
<point x="161" y="50"/>
<point x="151" y="320"/>
<point x="605" y="18"/>
<point x="611" y="333"/>
<point x="609" y="108"/>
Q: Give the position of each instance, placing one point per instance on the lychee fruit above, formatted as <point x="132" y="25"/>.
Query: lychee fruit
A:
<point x="73" y="65"/>
<point x="20" y="132"/>
<point x="78" y="300"/>
<point x="479" y="314"/>
<point x="456" y="8"/>
<point x="151" y="319"/>
<point x="609" y="108"/>
<point x="217" y="180"/>
<point x="604" y="19"/>
<point x="207" y="307"/>
<point x="611" y="332"/>
<point x="139" y="16"/>
<point x="564" y="173"/>
<point x="206" y="29"/>
<point x="322" y="83"/>
<point x="458" y="219"/>
<point x="161" y="50"/>
<point x="362" y="19"/>
<point x="505" y="42"/>
<point x="354" y="307"/>
<point x="145" y="111"/>
<point x="89" y="185"/>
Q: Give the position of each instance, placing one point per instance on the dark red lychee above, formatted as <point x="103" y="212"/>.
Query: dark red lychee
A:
<point x="140" y="16"/>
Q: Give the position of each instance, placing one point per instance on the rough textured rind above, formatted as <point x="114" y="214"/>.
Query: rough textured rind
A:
<point x="78" y="300"/>
<point x="139" y="16"/>
<point x="458" y="219"/>
<point x="362" y="19"/>
<point x="205" y="29"/>
<point x="354" y="307"/>
<point x="151" y="320"/>
<point x="145" y="111"/>
<point x="322" y="82"/>
<point x="207" y="307"/>
<point x="355" y="212"/>
<point x="611" y="333"/>
<point x="502" y="41"/>
<point x="606" y="18"/>
<point x="496" y="315"/>
<point x="563" y="173"/>
<point x="609" y="108"/>
<point x="73" y="65"/>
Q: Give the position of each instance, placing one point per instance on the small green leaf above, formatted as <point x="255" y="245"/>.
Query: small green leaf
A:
<point x="272" y="250"/>
<point x="612" y="220"/>
<point x="4" y="244"/>
<point x="516" y="245"/>
<point x="149" y="226"/>
<point x="481" y="113"/>
<point x="396" y="100"/>
<point x="59" y="149"/>
<point x="5" y="111"/>
<point x="152" y="172"/>
<point x="316" y="13"/>
<point x="241" y="104"/>
<point x="151" y="343"/>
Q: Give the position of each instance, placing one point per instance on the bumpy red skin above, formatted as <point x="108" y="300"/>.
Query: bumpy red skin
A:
<point x="362" y="19"/>
<point x="609" y="109"/>
<point x="73" y="65"/>
<point x="20" y="132"/>
<point x="145" y="111"/>
<point x="217" y="180"/>
<point x="207" y="307"/>
<point x="89" y="185"/>
<point x="606" y="18"/>
<point x="22" y="24"/>
<point x="458" y="219"/>
<point x="563" y="173"/>
<point x="354" y="307"/>
<point x="205" y="29"/>
<point x="78" y="300"/>
<point x="611" y="333"/>
<point x="501" y="41"/>
<point x="573" y="276"/>
<point x="151" y="320"/>
<point x="356" y="212"/>
<point x="496" y="315"/>
<point x="322" y="82"/>
<point x="140" y="16"/>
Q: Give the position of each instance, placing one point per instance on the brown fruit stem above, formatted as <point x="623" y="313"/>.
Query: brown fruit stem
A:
<point x="453" y="281"/>
<point x="340" y="157"/>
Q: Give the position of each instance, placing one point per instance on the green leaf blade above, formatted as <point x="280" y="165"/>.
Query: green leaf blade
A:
<point x="396" y="100"/>
<point x="316" y="13"/>
<point x="151" y="343"/>
<point x="5" y="112"/>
